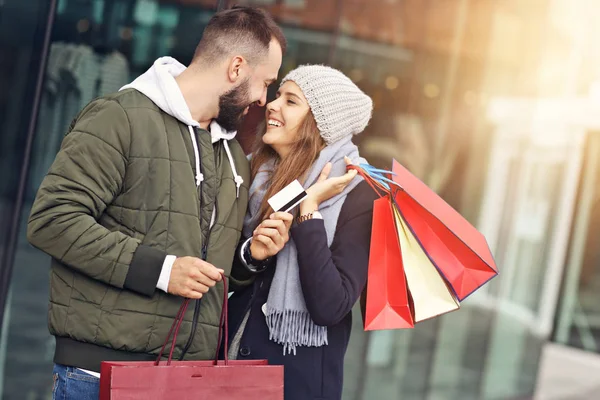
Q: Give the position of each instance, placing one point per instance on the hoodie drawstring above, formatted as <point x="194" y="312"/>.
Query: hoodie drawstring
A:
<point x="199" y="176"/>
<point x="237" y="178"/>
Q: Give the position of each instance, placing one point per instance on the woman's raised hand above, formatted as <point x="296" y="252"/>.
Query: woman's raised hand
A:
<point x="325" y="188"/>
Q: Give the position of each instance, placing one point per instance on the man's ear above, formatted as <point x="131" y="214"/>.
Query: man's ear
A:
<point x="235" y="68"/>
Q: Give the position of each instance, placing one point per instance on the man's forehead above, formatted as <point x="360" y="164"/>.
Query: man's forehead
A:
<point x="268" y="71"/>
<point x="268" y="68"/>
<point x="275" y="57"/>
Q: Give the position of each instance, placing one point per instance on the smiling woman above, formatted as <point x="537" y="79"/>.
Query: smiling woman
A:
<point x="321" y="272"/>
<point x="291" y="130"/>
<point x="285" y="116"/>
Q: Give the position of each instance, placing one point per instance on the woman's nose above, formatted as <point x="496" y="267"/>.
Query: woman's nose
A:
<point x="273" y="106"/>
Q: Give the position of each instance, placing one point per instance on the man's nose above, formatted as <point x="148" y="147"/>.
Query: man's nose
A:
<point x="263" y="99"/>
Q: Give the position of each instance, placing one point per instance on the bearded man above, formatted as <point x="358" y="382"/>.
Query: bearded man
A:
<point x="144" y="204"/>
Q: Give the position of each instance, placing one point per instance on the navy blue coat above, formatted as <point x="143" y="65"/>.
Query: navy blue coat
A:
<point x="332" y="280"/>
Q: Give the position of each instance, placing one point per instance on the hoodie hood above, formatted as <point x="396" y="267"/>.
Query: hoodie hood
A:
<point x="159" y="85"/>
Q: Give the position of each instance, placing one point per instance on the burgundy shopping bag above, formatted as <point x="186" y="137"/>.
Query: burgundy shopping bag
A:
<point x="187" y="380"/>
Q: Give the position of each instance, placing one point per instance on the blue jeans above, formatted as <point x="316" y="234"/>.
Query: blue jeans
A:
<point x="73" y="384"/>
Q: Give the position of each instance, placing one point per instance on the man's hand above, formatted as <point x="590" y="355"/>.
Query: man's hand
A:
<point x="271" y="235"/>
<point x="191" y="277"/>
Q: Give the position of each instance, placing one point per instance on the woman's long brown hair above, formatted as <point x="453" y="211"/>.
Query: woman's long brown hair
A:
<point x="302" y="155"/>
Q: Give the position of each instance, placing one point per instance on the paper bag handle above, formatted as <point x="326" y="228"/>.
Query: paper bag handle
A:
<point x="374" y="184"/>
<point x="223" y="329"/>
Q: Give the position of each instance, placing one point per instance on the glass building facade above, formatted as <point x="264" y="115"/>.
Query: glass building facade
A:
<point x="492" y="104"/>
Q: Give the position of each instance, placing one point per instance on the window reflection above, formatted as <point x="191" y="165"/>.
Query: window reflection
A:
<point x="578" y="322"/>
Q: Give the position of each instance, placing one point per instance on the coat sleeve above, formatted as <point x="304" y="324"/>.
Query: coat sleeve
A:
<point x="240" y="276"/>
<point x="86" y="176"/>
<point x="333" y="278"/>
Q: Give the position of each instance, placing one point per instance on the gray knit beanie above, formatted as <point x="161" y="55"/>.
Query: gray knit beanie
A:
<point x="340" y="108"/>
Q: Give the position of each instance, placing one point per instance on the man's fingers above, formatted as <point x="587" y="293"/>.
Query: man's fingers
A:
<point x="197" y="286"/>
<point x="191" y="277"/>
<point x="190" y="294"/>
<point x="186" y="291"/>
<point x="201" y="278"/>
<point x="209" y="270"/>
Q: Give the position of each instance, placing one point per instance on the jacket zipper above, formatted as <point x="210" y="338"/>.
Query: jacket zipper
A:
<point x="204" y="255"/>
<point x="197" y="306"/>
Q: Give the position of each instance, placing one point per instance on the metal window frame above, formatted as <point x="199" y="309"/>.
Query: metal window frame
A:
<point x="6" y="262"/>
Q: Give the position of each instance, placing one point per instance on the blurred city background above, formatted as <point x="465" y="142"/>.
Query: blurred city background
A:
<point x="495" y="104"/>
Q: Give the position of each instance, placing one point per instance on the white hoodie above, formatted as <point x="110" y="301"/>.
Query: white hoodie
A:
<point x="159" y="85"/>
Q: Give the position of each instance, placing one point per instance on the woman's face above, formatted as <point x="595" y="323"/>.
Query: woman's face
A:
<point x="284" y="116"/>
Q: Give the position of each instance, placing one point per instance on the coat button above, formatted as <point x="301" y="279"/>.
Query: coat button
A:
<point x="245" y="351"/>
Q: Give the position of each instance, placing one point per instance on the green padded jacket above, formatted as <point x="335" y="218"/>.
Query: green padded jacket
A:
<point x="119" y="197"/>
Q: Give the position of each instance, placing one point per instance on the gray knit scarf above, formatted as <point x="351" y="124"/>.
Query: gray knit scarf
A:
<point x="288" y="319"/>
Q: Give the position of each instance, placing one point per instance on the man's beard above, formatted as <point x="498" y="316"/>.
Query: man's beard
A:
<point x="232" y="105"/>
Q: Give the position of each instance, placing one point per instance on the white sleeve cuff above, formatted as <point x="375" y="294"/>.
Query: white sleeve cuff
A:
<point x="165" y="273"/>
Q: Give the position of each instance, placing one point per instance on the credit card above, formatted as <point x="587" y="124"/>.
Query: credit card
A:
<point x="288" y="197"/>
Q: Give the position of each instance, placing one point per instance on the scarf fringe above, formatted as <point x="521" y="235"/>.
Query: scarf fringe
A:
<point x="292" y="328"/>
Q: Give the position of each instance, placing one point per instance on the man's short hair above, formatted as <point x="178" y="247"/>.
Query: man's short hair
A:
<point x="247" y="31"/>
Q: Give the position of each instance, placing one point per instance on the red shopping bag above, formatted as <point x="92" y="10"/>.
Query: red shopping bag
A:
<point x="387" y="303"/>
<point x="187" y="380"/>
<point x="403" y="285"/>
<point x="456" y="248"/>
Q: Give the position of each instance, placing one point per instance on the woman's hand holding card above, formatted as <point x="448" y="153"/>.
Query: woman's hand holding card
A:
<point x="271" y="235"/>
